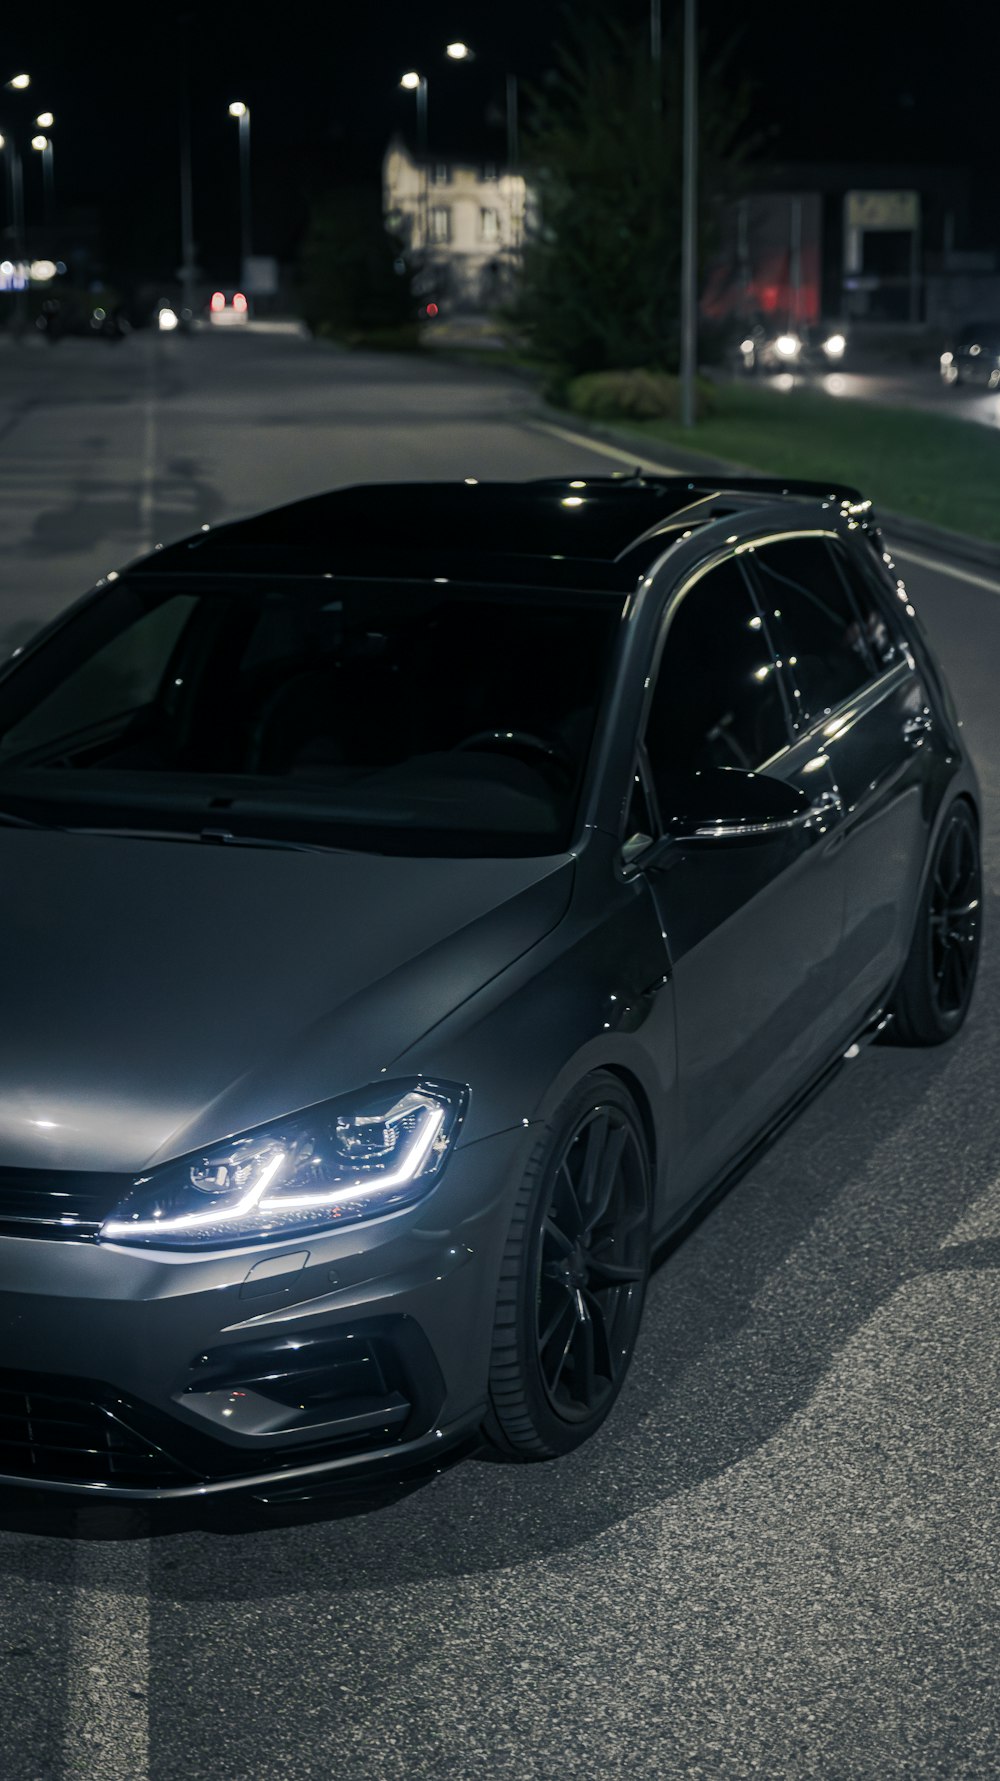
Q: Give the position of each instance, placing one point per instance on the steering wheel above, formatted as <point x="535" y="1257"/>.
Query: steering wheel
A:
<point x="517" y="742"/>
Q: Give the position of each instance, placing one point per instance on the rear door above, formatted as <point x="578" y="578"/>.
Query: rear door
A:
<point x="859" y="701"/>
<point x="752" y="926"/>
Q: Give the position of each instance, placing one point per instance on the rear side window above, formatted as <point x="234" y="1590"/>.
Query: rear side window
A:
<point x="717" y="701"/>
<point x="815" y="626"/>
<point x="882" y="638"/>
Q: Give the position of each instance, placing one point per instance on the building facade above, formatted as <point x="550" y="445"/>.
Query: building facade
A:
<point x="462" y="224"/>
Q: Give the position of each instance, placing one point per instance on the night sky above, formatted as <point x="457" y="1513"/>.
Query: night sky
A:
<point x="849" y="81"/>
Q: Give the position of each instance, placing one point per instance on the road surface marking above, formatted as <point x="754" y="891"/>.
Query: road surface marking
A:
<point x="106" y="1736"/>
<point x="942" y="568"/>
<point x="605" y="451"/>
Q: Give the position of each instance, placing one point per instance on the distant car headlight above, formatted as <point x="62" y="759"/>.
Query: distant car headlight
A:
<point x="167" y="320"/>
<point x="747" y="346"/>
<point x="334" y="1164"/>
<point x="787" y="345"/>
<point x="834" y="346"/>
<point x="947" y="358"/>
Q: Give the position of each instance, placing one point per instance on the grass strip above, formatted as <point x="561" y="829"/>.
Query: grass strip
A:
<point x="927" y="466"/>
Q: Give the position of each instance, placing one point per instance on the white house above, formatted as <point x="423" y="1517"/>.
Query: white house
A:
<point x="463" y="223"/>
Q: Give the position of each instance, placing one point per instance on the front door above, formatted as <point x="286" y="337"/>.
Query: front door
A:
<point x="752" y="925"/>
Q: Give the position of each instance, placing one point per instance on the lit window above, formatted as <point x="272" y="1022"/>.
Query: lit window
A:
<point x="440" y="223"/>
<point x="489" y="225"/>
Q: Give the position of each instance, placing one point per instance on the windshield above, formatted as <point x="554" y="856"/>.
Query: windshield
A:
<point x="405" y="718"/>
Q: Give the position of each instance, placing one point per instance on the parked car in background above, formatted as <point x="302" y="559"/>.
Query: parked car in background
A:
<point x="974" y="356"/>
<point x="417" y="901"/>
<point x="228" y="309"/>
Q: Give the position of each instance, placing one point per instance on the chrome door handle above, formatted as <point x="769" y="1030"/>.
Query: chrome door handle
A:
<point x="916" y="729"/>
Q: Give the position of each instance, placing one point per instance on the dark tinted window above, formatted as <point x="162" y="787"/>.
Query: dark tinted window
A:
<point x="881" y="638"/>
<point x="419" y="718"/>
<point x="814" y="624"/>
<point x="717" y="702"/>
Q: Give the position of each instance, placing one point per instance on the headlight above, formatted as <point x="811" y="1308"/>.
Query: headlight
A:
<point x="788" y="345"/>
<point x="335" y="1164"/>
<point x="834" y="346"/>
<point x="167" y="320"/>
<point x="947" y="358"/>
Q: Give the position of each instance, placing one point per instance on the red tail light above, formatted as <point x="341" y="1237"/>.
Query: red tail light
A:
<point x="218" y="301"/>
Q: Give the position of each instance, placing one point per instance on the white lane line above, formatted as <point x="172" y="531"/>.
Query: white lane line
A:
<point x="597" y="445"/>
<point x="938" y="564"/>
<point x="940" y="567"/>
<point x="106" y="1728"/>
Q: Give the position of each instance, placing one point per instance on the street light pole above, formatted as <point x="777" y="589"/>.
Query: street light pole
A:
<point x="187" y="199"/>
<point x="689" y="245"/>
<point x="242" y="113"/>
<point x="18" y="83"/>
<point x="43" y="145"/>
<point x="417" y="83"/>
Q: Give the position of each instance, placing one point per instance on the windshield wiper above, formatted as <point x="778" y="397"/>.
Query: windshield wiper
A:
<point x="213" y="837"/>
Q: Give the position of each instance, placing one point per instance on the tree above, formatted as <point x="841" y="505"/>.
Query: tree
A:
<point x="601" y="284"/>
<point x="354" y="281"/>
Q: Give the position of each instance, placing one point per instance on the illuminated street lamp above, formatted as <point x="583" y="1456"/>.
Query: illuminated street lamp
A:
<point x="461" y="52"/>
<point x="417" y="83"/>
<point x="18" y="82"/>
<point x="43" y="146"/>
<point x="241" y="113"/>
<point x="45" y="120"/>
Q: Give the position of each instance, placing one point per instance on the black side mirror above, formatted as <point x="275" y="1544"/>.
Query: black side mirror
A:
<point x="729" y="804"/>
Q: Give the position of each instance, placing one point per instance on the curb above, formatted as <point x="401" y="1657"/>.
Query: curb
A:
<point x="977" y="551"/>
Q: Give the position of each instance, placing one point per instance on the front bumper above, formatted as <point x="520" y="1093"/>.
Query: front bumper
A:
<point x="138" y="1374"/>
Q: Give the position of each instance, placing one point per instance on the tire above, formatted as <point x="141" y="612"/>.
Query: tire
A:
<point x="933" y="995"/>
<point x="573" y="1276"/>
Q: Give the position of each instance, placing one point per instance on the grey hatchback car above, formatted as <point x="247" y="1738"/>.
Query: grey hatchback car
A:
<point x="417" y="901"/>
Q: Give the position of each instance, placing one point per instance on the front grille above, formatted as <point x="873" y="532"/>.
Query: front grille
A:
<point x="57" y="1203"/>
<point x="58" y="1430"/>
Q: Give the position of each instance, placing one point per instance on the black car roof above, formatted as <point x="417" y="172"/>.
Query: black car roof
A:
<point x="595" y="532"/>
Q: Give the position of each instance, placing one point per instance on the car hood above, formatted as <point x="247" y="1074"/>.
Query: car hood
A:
<point x="159" y="995"/>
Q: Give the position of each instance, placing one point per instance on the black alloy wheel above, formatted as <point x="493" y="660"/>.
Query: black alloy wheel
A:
<point x="936" y="986"/>
<point x="574" y="1275"/>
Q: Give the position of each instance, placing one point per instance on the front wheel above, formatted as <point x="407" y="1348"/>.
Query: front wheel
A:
<point x="573" y="1277"/>
<point x="935" y="990"/>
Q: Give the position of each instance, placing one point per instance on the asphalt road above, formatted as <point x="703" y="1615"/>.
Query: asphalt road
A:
<point x="779" y="1557"/>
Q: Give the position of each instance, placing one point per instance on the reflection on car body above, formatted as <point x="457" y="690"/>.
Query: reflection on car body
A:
<point x="418" y="900"/>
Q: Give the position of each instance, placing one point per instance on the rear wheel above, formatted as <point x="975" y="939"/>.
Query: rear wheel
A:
<point x="935" y="990"/>
<point x="573" y="1277"/>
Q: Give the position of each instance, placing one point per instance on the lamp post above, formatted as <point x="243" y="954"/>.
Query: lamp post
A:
<point x="241" y="113"/>
<point x="460" y="52"/>
<point x="43" y="146"/>
<point x="417" y="83"/>
<point x="18" y="83"/>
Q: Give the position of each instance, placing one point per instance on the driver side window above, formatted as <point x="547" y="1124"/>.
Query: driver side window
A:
<point x="717" y="701"/>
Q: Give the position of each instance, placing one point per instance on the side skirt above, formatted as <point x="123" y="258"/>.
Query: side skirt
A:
<point x="694" y="1210"/>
